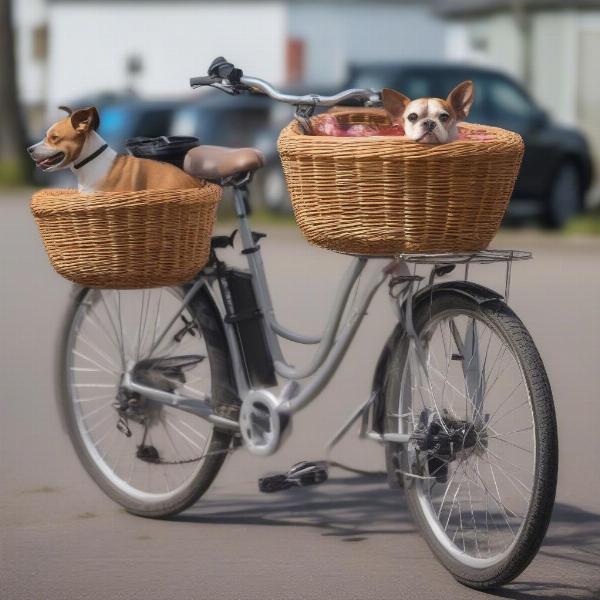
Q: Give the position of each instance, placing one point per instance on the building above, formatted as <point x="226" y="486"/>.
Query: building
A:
<point x="552" y="46"/>
<point x="154" y="47"/>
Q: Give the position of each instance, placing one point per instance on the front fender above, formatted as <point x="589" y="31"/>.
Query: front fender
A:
<point x="476" y="292"/>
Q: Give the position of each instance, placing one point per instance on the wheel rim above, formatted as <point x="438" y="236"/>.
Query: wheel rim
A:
<point x="111" y="328"/>
<point x="483" y="403"/>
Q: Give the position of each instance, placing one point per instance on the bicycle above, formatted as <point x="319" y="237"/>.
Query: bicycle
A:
<point x="158" y="386"/>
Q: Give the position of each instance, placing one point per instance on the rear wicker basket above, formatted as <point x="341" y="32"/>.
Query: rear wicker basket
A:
<point x="386" y="195"/>
<point x="127" y="240"/>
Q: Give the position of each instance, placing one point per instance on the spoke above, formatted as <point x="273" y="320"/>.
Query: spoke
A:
<point x="504" y="434"/>
<point x="446" y="492"/>
<point x="453" y="503"/>
<point x="192" y="429"/>
<point x="108" y="446"/>
<point x="94" y="385"/>
<point x="99" y="352"/>
<point x="96" y="410"/>
<point x="510" y="464"/>
<point x="183" y="435"/>
<point x="473" y="517"/>
<point x="116" y="462"/>
<point x="489" y="388"/>
<point x="94" y="427"/>
<point x="176" y="454"/>
<point x="102" y="438"/>
<point x="114" y="328"/>
<point x="156" y="320"/>
<point x="512" y="479"/>
<point x="98" y="325"/>
<point x="93" y="399"/>
<point x="513" y="409"/>
<point x="499" y="502"/>
<point x="97" y="364"/>
<point x="514" y="445"/>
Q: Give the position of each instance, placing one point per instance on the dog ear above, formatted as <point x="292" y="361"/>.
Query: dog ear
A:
<point x="85" y="119"/>
<point x="394" y="103"/>
<point x="461" y="99"/>
<point x="68" y="110"/>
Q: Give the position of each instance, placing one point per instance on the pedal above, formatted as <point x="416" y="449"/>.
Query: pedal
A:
<point x="300" y="475"/>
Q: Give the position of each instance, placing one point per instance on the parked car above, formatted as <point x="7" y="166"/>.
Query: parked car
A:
<point x="557" y="169"/>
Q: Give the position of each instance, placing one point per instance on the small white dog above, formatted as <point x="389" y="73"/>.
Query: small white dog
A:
<point x="430" y="120"/>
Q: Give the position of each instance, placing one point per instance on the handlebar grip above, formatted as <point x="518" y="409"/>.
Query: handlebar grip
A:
<point x="225" y="70"/>
<point x="205" y="80"/>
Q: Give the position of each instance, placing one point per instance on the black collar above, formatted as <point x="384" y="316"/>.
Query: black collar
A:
<point x="91" y="157"/>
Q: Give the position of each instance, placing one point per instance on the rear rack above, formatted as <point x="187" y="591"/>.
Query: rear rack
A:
<point x="482" y="257"/>
<point x="452" y="259"/>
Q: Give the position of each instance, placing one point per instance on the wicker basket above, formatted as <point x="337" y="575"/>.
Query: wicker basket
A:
<point x="386" y="195"/>
<point x="127" y="239"/>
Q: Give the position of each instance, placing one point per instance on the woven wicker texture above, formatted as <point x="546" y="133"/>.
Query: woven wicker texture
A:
<point x="127" y="239"/>
<point x="386" y="195"/>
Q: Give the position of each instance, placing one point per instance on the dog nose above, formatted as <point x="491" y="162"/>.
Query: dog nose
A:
<point x="30" y="149"/>
<point x="429" y="125"/>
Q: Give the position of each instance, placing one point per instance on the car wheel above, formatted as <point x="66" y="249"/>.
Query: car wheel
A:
<point x="564" y="200"/>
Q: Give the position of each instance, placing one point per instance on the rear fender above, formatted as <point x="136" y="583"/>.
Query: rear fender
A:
<point x="476" y="292"/>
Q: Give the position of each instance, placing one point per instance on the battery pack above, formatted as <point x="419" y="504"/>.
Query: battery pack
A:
<point x="246" y="317"/>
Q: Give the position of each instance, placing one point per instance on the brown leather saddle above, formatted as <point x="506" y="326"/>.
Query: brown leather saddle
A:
<point x="218" y="163"/>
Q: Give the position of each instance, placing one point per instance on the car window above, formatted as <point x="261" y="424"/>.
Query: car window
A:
<point x="508" y="101"/>
<point x="153" y="123"/>
<point x="114" y="125"/>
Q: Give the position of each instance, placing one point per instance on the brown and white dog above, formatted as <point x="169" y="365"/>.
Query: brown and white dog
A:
<point x="74" y="143"/>
<point x="430" y="120"/>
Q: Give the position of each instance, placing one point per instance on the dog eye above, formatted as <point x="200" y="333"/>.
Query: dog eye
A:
<point x="444" y="117"/>
<point x="413" y="117"/>
<point x="54" y="138"/>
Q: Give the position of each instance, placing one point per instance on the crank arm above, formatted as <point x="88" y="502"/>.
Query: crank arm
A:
<point x="199" y="407"/>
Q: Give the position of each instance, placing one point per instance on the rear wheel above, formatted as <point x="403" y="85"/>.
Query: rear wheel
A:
<point x="480" y="470"/>
<point x="152" y="459"/>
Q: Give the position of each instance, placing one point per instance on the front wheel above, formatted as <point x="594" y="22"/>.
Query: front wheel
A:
<point x="154" y="460"/>
<point x="480" y="469"/>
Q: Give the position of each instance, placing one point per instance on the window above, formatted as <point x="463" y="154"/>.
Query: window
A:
<point x="505" y="98"/>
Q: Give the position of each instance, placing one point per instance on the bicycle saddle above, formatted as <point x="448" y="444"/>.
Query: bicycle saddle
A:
<point x="217" y="162"/>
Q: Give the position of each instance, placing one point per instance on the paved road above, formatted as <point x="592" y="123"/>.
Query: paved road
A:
<point x="351" y="538"/>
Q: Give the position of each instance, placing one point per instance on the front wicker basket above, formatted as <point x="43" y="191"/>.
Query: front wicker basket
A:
<point x="386" y="195"/>
<point x="126" y="240"/>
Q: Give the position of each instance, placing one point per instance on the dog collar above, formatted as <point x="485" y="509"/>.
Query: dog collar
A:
<point x="91" y="157"/>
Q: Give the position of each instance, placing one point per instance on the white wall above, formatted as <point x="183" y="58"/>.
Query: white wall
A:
<point x="29" y="14"/>
<point x="493" y="41"/>
<point x="90" y="43"/>
<point x="336" y="35"/>
<point x="554" y="68"/>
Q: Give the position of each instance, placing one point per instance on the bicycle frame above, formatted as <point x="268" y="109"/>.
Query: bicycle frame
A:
<point x="331" y="345"/>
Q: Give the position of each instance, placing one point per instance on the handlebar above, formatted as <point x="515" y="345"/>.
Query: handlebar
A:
<point x="225" y="76"/>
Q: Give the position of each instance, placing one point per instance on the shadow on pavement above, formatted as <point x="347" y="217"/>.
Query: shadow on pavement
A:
<point x="351" y="508"/>
<point x="573" y="536"/>
<point x="356" y="507"/>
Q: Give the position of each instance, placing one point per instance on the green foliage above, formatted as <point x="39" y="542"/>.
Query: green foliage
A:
<point x="585" y="224"/>
<point x="12" y="173"/>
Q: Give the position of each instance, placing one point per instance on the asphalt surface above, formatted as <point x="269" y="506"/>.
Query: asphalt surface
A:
<point x="352" y="537"/>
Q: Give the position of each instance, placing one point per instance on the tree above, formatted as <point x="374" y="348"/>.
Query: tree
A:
<point x="14" y="163"/>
